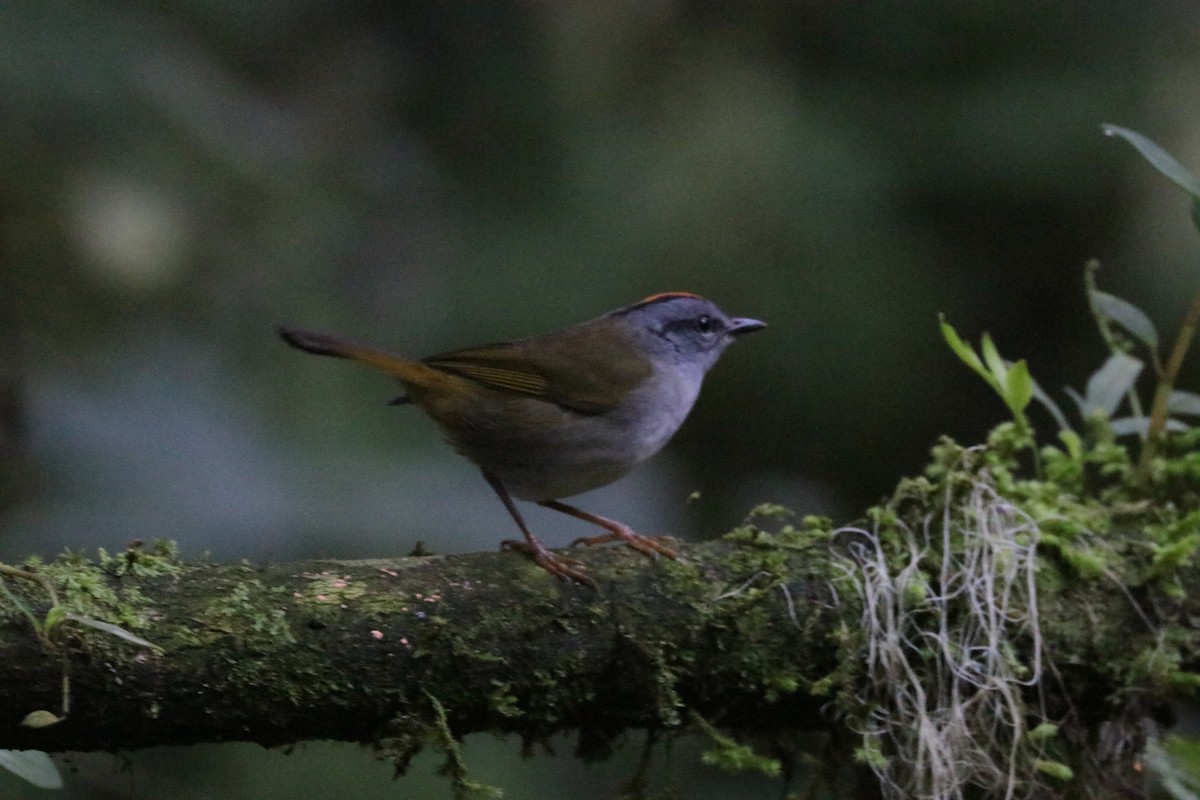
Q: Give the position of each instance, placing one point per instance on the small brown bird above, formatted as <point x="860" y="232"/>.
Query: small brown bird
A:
<point x="567" y="411"/>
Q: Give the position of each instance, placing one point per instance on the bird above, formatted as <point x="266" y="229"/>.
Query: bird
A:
<point x="560" y="413"/>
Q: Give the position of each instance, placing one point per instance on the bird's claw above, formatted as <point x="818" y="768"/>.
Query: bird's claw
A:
<point x="650" y="546"/>
<point x="562" y="567"/>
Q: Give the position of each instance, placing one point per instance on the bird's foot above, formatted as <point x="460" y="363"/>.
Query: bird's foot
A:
<point x="650" y="546"/>
<point x="562" y="567"/>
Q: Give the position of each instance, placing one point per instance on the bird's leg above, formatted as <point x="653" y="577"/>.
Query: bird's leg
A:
<point x="651" y="546"/>
<point x="559" y="566"/>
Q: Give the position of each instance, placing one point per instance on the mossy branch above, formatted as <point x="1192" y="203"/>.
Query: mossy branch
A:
<point x="966" y="634"/>
<point x="354" y="650"/>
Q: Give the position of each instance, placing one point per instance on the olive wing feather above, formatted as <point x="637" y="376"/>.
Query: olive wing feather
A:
<point x="566" y="367"/>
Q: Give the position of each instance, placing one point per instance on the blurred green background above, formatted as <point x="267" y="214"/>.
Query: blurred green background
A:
<point x="176" y="178"/>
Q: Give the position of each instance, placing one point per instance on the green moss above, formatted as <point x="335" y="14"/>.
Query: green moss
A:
<point x="503" y="701"/>
<point x="87" y="589"/>
<point x="240" y="613"/>
<point x="1173" y="545"/>
<point x="455" y="766"/>
<point x="402" y="738"/>
<point x="161" y="558"/>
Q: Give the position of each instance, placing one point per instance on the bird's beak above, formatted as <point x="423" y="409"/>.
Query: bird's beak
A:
<point x="742" y="325"/>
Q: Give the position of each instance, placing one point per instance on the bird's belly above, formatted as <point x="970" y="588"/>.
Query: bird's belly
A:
<point x="540" y="451"/>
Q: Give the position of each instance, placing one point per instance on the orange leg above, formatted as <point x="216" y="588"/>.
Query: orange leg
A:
<point x="559" y="566"/>
<point x="651" y="546"/>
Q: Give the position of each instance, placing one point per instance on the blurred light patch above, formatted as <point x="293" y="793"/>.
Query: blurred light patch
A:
<point x="132" y="234"/>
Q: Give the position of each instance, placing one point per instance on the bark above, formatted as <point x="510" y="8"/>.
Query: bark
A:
<point x="366" y="651"/>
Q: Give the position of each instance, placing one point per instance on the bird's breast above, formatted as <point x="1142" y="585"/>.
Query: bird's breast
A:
<point x="543" y="451"/>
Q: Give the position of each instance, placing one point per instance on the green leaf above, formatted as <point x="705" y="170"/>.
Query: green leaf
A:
<point x="41" y="719"/>
<point x="965" y="352"/>
<point x="34" y="766"/>
<point x="870" y="754"/>
<point x="1047" y="401"/>
<point x="1123" y="426"/>
<point x="1072" y="442"/>
<point x="1160" y="159"/>
<point x="1018" y="387"/>
<point x="54" y="618"/>
<point x="1055" y="769"/>
<point x="1175" y="764"/>
<point x="1109" y="385"/>
<point x="1044" y="731"/>
<point x="1184" y="682"/>
<point x="1183" y="402"/>
<point x="991" y="357"/>
<point x="115" y="630"/>
<point x="740" y="758"/>
<point x="1128" y="316"/>
<point x="1012" y="382"/>
<point x="1080" y="403"/>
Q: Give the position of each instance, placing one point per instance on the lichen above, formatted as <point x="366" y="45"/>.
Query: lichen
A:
<point x="1085" y="524"/>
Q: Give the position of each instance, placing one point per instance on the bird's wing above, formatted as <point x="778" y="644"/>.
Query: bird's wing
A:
<point x="565" y="368"/>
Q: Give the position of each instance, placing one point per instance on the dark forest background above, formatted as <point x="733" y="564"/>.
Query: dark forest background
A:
<point x="176" y="178"/>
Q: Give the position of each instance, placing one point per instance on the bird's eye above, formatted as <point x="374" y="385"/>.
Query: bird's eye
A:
<point x="704" y="323"/>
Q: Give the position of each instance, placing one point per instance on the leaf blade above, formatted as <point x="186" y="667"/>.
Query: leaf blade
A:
<point x="113" y="630"/>
<point x="1109" y="385"/>
<point x="1128" y="316"/>
<point x="1019" y="387"/>
<point x="1123" y="426"/>
<point x="33" y="766"/>
<point x="991" y="357"/>
<point x="966" y="353"/>
<point x="1043" y="397"/>
<point x="1181" y="401"/>
<point x="1159" y="158"/>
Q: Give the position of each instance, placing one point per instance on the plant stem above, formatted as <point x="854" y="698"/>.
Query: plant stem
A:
<point x="1162" y="394"/>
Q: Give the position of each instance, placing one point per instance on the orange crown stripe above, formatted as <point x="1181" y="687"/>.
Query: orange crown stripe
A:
<point x="654" y="298"/>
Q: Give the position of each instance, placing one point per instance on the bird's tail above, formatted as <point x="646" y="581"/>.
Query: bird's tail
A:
<point x="408" y="370"/>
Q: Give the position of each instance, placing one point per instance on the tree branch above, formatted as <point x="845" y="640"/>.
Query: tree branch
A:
<point x="758" y="634"/>
<point x="354" y="650"/>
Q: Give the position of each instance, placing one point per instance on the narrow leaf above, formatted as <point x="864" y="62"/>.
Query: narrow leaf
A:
<point x="1055" y="769"/>
<point x="1128" y="316"/>
<point x="1072" y="442"/>
<point x="115" y="630"/>
<point x="53" y="617"/>
<point x="1044" y="731"/>
<point x="1019" y="387"/>
<point x="964" y="351"/>
<point x="1160" y="159"/>
<point x="1080" y="403"/>
<point x="1047" y="401"/>
<point x="33" y="766"/>
<point x="1183" y="402"/>
<point x="991" y="357"/>
<point x="1109" y="385"/>
<point x="1122" y="426"/>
